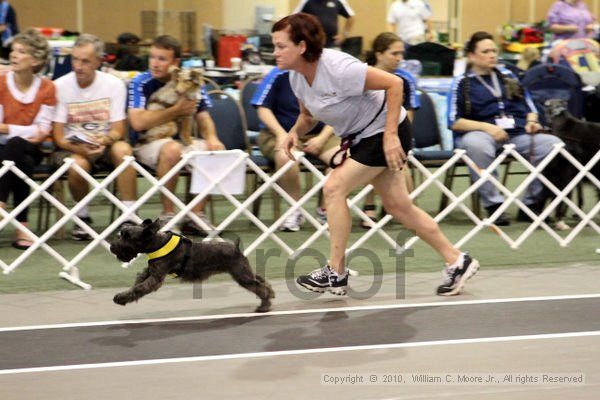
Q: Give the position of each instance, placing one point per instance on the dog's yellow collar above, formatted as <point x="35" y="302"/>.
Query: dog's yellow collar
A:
<point x="166" y="249"/>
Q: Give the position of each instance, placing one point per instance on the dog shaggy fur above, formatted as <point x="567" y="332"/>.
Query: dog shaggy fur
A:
<point x="190" y="262"/>
<point x="184" y="83"/>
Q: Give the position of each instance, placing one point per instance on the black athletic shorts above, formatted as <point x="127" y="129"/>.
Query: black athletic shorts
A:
<point x="369" y="151"/>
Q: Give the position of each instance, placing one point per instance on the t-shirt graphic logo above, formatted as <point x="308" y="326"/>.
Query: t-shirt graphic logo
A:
<point x="329" y="95"/>
<point x="88" y="119"/>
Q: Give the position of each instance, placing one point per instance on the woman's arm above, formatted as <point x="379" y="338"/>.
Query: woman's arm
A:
<point x="305" y="122"/>
<point x="37" y="131"/>
<point x="468" y="125"/>
<point x="560" y="28"/>
<point x="380" y="80"/>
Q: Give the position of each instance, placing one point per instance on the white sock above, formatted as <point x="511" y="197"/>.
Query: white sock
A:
<point x="334" y="272"/>
<point x="84" y="212"/>
<point x="459" y="261"/>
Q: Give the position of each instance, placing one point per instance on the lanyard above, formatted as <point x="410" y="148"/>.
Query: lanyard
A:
<point x="496" y="91"/>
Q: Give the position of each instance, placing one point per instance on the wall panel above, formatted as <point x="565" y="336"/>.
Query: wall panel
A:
<point x="57" y="13"/>
<point x="520" y="11"/>
<point x="482" y="16"/>
<point x="124" y="16"/>
<point x="370" y="19"/>
<point x="240" y="15"/>
<point x="542" y="7"/>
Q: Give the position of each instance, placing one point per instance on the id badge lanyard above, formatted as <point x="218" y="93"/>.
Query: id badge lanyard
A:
<point x="496" y="91"/>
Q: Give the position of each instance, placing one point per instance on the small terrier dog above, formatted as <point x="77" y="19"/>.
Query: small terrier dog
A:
<point x="169" y="253"/>
<point x="184" y="83"/>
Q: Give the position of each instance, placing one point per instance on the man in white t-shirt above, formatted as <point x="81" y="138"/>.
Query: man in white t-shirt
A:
<point x="410" y="19"/>
<point x="89" y="124"/>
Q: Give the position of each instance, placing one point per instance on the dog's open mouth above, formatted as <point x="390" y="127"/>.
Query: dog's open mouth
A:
<point x="125" y="259"/>
<point x="122" y="255"/>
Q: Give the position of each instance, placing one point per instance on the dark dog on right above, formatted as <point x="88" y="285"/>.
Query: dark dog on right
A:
<point x="582" y="140"/>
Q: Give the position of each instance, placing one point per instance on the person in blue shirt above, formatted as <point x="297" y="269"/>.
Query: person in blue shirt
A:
<point x="8" y="27"/>
<point x="162" y="154"/>
<point x="386" y="54"/>
<point x="278" y="110"/>
<point x="487" y="108"/>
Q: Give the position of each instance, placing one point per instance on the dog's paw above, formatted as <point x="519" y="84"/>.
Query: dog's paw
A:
<point x="120" y="299"/>
<point x="263" y="308"/>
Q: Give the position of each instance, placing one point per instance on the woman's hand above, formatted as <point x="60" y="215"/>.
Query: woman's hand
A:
<point x="290" y="142"/>
<point x="533" y="127"/>
<point x="394" y="153"/>
<point x="39" y="137"/>
<point x="497" y="133"/>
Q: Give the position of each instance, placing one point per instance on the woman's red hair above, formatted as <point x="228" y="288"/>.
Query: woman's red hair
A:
<point x="307" y="28"/>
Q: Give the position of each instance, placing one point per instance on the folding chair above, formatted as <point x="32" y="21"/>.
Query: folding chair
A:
<point x="210" y="84"/>
<point x="230" y="122"/>
<point x="426" y="135"/>
<point x="551" y="81"/>
<point x="247" y="91"/>
<point x="353" y="46"/>
<point x="436" y="58"/>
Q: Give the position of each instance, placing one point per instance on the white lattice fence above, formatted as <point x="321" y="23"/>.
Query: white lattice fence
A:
<point x="242" y="206"/>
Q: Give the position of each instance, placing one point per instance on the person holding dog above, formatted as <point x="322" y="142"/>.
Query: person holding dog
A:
<point x="162" y="154"/>
<point x="488" y="107"/>
<point x="89" y="125"/>
<point x="27" y="103"/>
<point x="364" y="106"/>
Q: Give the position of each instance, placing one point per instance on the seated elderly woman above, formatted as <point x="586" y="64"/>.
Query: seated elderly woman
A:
<point x="27" y="102"/>
<point x="487" y="108"/>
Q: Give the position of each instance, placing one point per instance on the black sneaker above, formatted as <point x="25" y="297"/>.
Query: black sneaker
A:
<point x="502" y="219"/>
<point x="323" y="279"/>
<point x="455" y="277"/>
<point x="78" y="233"/>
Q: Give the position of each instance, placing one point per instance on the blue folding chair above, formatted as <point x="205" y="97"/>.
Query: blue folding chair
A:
<point x="426" y="135"/>
<point x="230" y="123"/>
<point x="552" y="81"/>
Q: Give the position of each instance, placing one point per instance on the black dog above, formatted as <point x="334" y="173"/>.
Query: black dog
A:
<point x="582" y="140"/>
<point x="169" y="253"/>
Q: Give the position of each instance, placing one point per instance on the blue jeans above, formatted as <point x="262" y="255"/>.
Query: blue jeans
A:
<point x="482" y="149"/>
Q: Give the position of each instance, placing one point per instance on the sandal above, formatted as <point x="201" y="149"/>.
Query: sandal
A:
<point x="366" y="208"/>
<point x="18" y="244"/>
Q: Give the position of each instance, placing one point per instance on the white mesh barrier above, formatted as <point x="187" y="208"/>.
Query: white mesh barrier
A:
<point x="432" y="178"/>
